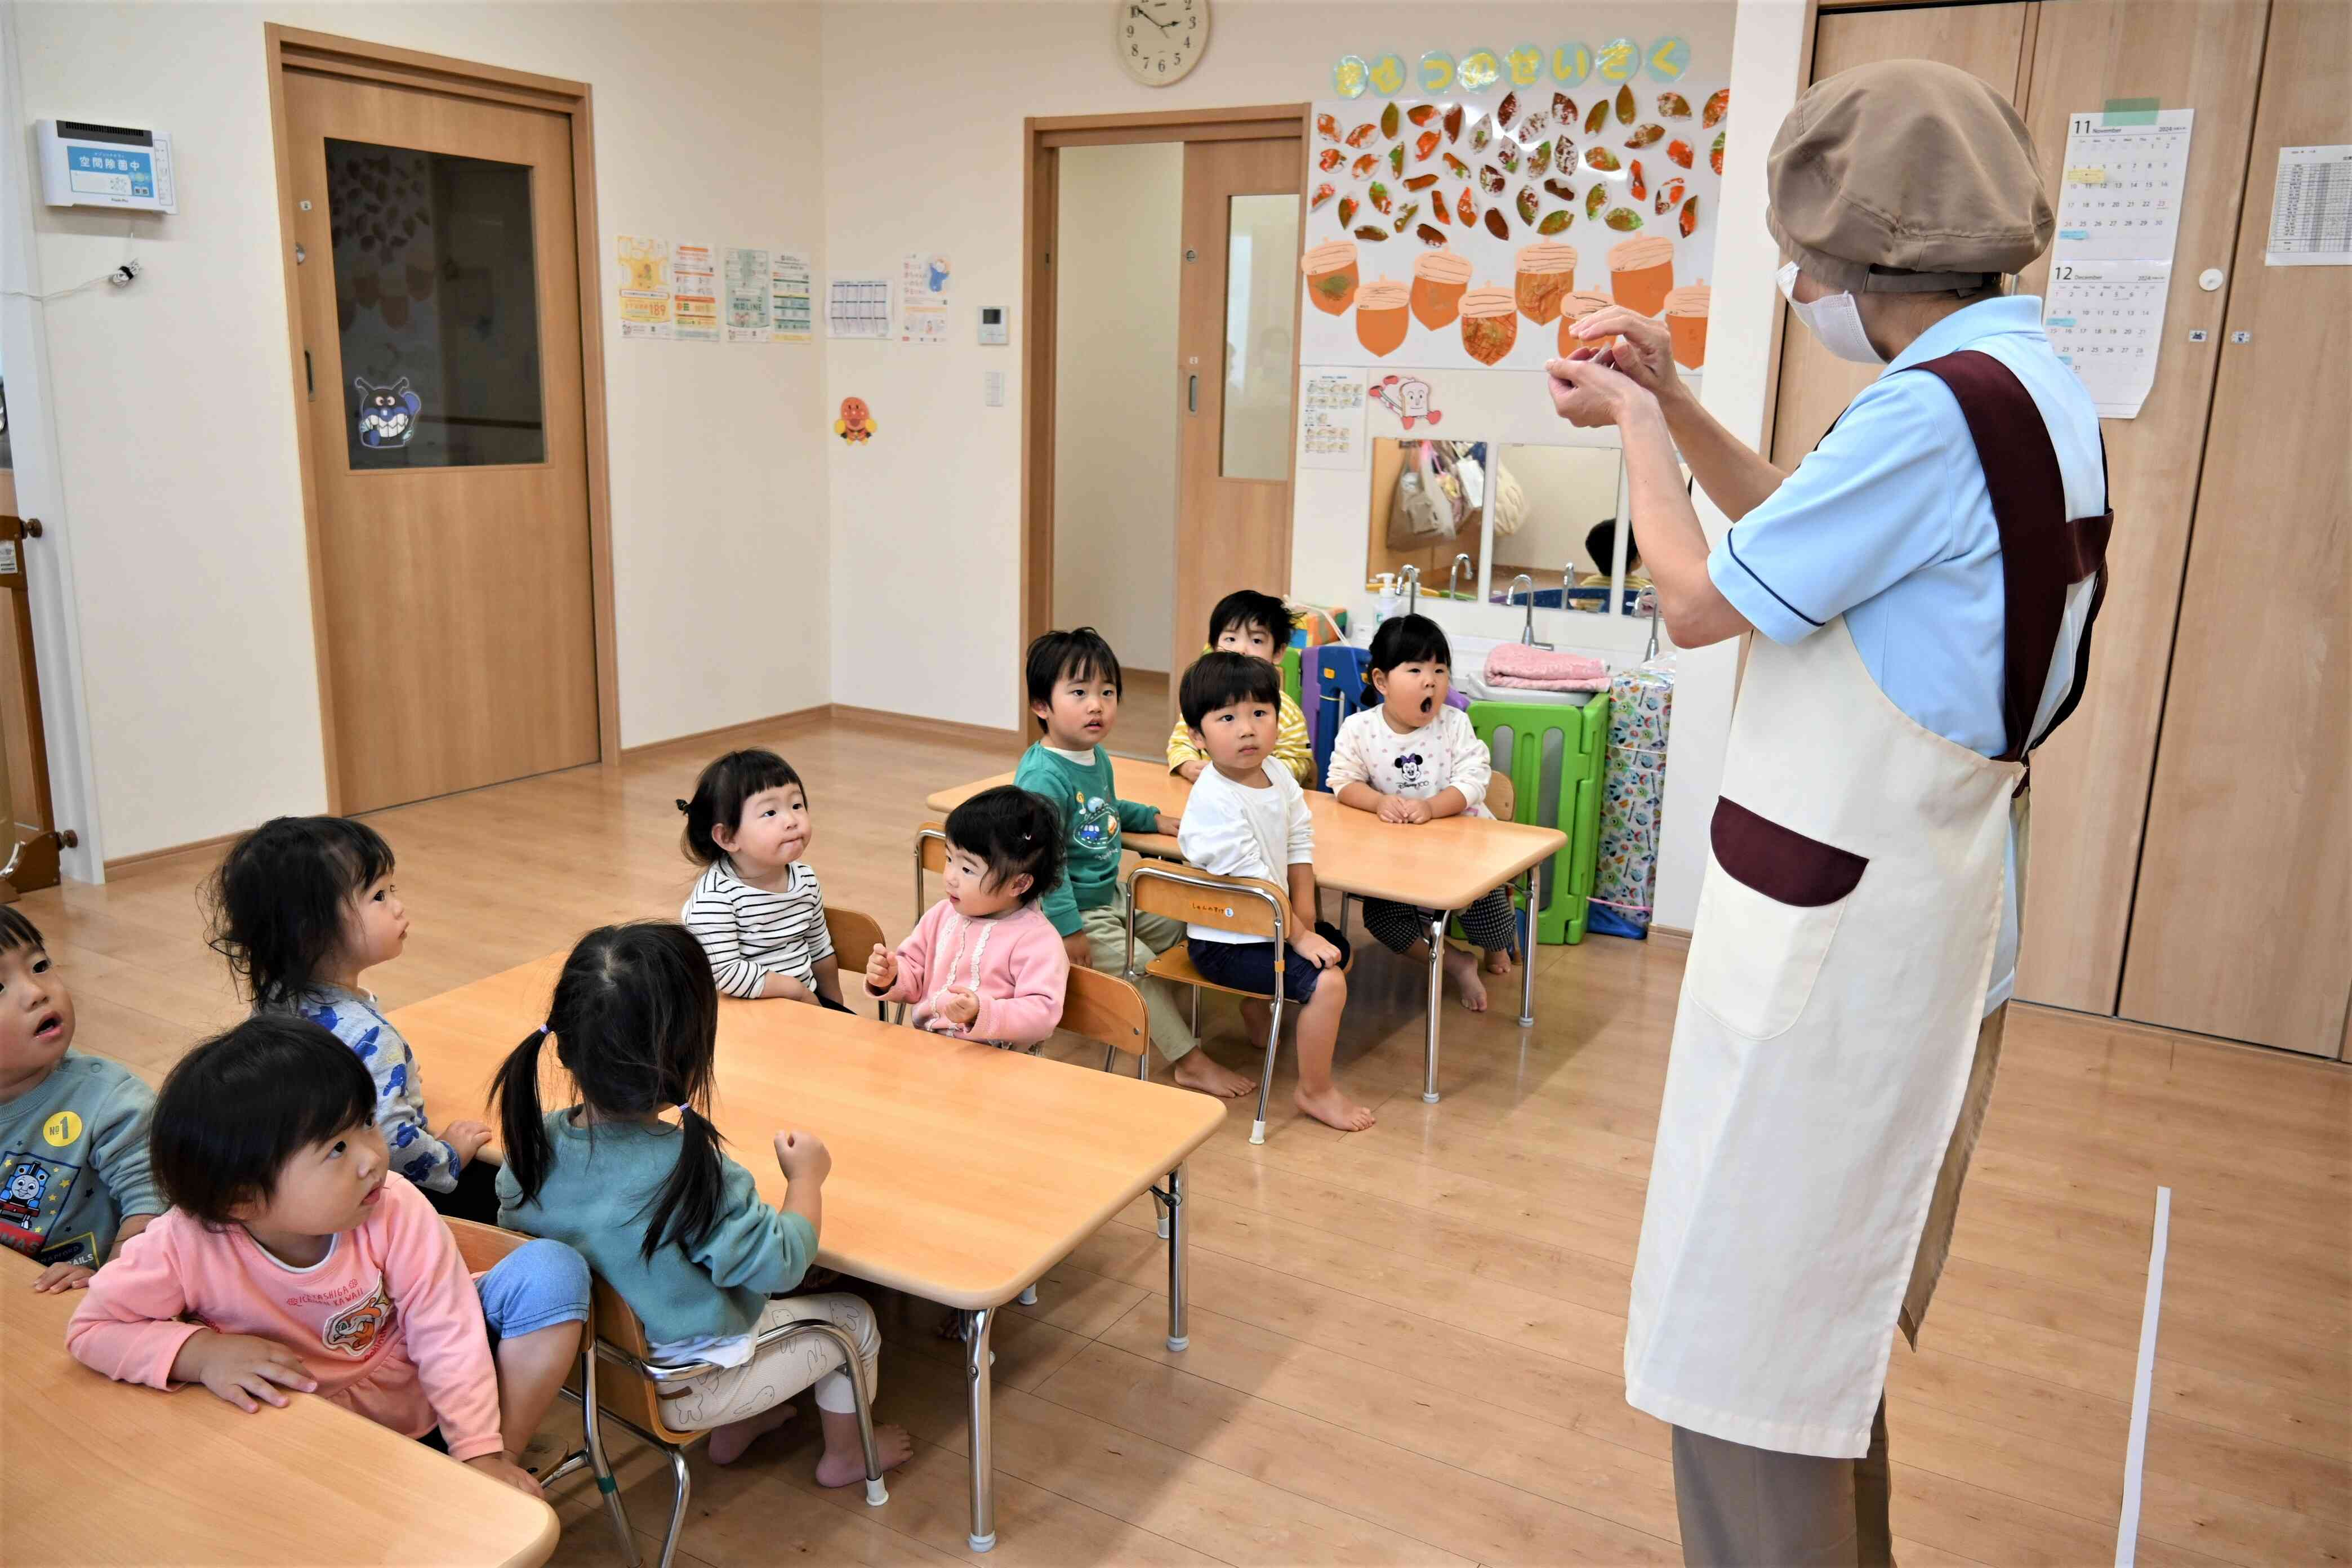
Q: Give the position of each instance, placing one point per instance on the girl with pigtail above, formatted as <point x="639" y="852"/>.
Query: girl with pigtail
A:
<point x="634" y="1177"/>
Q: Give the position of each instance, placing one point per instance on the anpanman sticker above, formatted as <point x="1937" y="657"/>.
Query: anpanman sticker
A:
<point x="62" y="1130"/>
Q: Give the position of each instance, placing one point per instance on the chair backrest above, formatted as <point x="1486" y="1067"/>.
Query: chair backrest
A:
<point x="620" y="1389"/>
<point x="1246" y="905"/>
<point x="855" y="938"/>
<point x="481" y="1245"/>
<point x="1107" y="1010"/>
<point x="1502" y="797"/>
<point x="930" y="854"/>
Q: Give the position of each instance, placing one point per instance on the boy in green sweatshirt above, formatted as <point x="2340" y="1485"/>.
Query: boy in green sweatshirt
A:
<point x="1074" y="690"/>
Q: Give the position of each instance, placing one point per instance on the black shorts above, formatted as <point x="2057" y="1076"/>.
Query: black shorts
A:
<point x="1249" y="966"/>
<point x="476" y="1197"/>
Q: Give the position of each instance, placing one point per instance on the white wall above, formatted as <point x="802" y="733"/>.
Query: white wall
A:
<point x="941" y="168"/>
<point x="1568" y="490"/>
<point x="1115" y="277"/>
<point x="173" y="400"/>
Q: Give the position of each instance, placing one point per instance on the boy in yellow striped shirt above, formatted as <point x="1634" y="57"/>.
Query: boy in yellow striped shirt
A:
<point x="1258" y="625"/>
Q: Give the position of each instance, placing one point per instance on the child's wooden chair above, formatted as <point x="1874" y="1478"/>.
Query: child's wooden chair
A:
<point x="1108" y="1010"/>
<point x="482" y="1246"/>
<point x="635" y="1395"/>
<point x="1245" y="905"/>
<point x="930" y="854"/>
<point x="854" y="937"/>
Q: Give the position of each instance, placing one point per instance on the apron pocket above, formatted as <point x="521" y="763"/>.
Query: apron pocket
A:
<point x="1771" y="906"/>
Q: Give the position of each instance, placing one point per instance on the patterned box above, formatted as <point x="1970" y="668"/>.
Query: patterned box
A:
<point x="1634" y="787"/>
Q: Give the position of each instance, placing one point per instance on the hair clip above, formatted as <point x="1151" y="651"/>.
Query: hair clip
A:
<point x="683" y="806"/>
<point x="547" y="1028"/>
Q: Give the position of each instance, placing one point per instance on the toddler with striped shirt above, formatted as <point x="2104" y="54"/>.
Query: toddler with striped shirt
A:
<point x="758" y="911"/>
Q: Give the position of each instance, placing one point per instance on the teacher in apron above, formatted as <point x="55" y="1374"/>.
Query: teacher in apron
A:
<point x="1924" y="583"/>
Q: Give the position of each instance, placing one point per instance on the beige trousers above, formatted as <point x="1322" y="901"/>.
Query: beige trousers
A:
<point x="1105" y="929"/>
<point x="777" y="1373"/>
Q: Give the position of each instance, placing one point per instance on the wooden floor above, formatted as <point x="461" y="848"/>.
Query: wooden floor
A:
<point x="1406" y="1343"/>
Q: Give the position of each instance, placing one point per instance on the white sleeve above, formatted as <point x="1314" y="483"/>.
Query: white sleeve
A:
<point x="1474" y="766"/>
<point x="1215" y="836"/>
<point x="1349" y="763"/>
<point x="1302" y="829"/>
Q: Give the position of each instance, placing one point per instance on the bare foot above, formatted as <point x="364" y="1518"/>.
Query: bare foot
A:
<point x="1465" y="969"/>
<point x="1498" y="962"/>
<point x="1195" y="1069"/>
<point x="1257" y="1018"/>
<point x="1335" y="1110"/>
<point x="728" y="1441"/>
<point x="891" y="1446"/>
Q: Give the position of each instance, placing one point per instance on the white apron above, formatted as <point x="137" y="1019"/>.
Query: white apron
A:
<point x="1834" y="997"/>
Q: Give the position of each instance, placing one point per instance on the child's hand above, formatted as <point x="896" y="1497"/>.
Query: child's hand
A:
<point x="1394" y="808"/>
<point x="1415" y="810"/>
<point x="241" y="1369"/>
<point x="63" y="1277"/>
<point x="960" y="1007"/>
<point x="466" y="1138"/>
<point x="1081" y="951"/>
<point x="881" y="970"/>
<point x="1192" y="770"/>
<point x="1312" y="947"/>
<point x="1169" y="825"/>
<point x="500" y="1468"/>
<point x="803" y="1157"/>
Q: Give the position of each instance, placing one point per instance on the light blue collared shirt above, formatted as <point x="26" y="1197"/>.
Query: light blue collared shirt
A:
<point x="1889" y="524"/>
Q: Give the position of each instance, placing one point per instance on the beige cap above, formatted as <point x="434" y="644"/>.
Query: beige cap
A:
<point x="1690" y="299"/>
<point x="1490" y="301"/>
<point x="1441" y="266"/>
<point x="1382" y="294"/>
<point x="1329" y="257"/>
<point x="1547" y="257"/>
<point x="1905" y="177"/>
<point x="1639" y="254"/>
<point x="1576" y="307"/>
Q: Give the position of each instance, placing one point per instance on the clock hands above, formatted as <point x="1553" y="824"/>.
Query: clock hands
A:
<point x="1139" y="11"/>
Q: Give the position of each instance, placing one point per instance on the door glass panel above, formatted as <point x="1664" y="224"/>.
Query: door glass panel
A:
<point x="1261" y="255"/>
<point x="437" y="306"/>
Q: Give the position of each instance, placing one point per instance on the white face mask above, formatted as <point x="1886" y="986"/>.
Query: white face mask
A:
<point x="1834" y="319"/>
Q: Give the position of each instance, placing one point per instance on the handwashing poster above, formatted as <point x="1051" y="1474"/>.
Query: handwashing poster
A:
<point x="1450" y="233"/>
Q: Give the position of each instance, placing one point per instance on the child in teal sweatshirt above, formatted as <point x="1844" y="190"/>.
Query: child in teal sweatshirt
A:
<point x="1074" y="690"/>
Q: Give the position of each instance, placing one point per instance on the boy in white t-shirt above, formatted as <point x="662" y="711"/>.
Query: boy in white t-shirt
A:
<point x="1248" y="819"/>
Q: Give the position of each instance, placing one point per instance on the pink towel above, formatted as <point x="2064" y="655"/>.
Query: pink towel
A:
<point x="1525" y="665"/>
<point x="1574" y="683"/>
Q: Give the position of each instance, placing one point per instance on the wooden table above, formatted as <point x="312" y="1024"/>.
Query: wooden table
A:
<point x="105" y="1472"/>
<point x="960" y="1173"/>
<point x="1441" y="866"/>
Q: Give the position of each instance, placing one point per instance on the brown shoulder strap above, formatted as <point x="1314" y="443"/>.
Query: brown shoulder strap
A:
<point x="2042" y="551"/>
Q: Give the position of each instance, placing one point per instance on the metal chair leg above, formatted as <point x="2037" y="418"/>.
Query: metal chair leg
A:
<point x="685" y="1485"/>
<point x="1265" y="1079"/>
<point x="592" y="1425"/>
<point x="877" y="1494"/>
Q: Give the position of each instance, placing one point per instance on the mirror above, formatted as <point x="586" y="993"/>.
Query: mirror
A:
<point x="1428" y="506"/>
<point x="1556" y="517"/>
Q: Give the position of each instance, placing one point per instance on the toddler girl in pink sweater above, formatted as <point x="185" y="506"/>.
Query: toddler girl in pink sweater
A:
<point x="295" y="1258"/>
<point x="984" y="963"/>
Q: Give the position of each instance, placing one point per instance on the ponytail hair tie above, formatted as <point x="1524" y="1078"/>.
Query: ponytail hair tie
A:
<point x="684" y="1110"/>
<point x="546" y="1029"/>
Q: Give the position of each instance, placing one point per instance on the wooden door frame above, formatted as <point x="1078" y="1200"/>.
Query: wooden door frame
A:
<point x="1042" y="140"/>
<point x="356" y="60"/>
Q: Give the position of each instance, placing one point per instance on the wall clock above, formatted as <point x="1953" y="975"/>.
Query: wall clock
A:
<point x="1158" y="41"/>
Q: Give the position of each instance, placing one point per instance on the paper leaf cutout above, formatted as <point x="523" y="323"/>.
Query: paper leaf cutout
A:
<point x="1625" y="220"/>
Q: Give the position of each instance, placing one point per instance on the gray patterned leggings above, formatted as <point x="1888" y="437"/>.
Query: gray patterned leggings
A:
<point x="1490" y="923"/>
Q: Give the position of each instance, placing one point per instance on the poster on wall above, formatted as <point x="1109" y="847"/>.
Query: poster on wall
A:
<point x="923" y="298"/>
<point x="789" y="311"/>
<point x="1331" y="419"/>
<point x="857" y="307"/>
<point x="644" y="289"/>
<point x="748" y="295"/>
<point x="694" y="293"/>
<point x="1456" y="234"/>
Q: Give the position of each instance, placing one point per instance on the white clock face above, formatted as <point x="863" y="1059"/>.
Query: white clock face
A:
<point x="1159" y="40"/>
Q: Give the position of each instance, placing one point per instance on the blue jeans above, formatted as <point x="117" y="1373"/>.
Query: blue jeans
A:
<point x="538" y="1285"/>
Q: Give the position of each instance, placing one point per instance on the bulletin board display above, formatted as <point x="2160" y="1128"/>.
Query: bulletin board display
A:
<point x="1450" y="233"/>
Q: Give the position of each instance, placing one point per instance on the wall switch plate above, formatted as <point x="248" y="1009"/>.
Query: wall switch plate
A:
<point x="993" y="388"/>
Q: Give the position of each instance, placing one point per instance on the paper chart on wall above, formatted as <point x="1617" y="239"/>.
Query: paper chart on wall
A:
<point x="2310" y="208"/>
<point x="923" y="298"/>
<point x="1331" y="419"/>
<point x="789" y="310"/>
<point x="747" y="296"/>
<point x="694" y="293"/>
<point x="1453" y="235"/>
<point x="2104" y="319"/>
<point x="644" y="287"/>
<point x="2111" y="267"/>
<point x="857" y="307"/>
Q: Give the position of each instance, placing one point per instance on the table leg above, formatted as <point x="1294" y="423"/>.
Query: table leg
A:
<point x="1179" y="1329"/>
<point x="1527" y="958"/>
<point x="976" y="1326"/>
<point x="1436" y="977"/>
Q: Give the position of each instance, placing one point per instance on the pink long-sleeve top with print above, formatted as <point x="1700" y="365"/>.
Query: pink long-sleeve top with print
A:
<point x="1014" y="963"/>
<point x="388" y="1322"/>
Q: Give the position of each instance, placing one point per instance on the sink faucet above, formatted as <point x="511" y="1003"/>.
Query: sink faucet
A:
<point x="1410" y="577"/>
<point x="1462" y="567"/>
<point x="1526" y="634"/>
